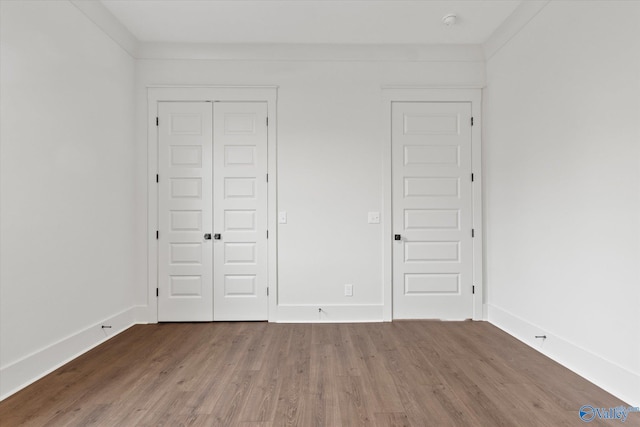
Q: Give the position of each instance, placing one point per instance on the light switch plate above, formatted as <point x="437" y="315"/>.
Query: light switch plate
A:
<point x="282" y="217"/>
<point x="374" y="217"/>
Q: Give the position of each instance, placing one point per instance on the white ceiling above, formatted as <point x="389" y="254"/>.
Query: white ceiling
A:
<point x="311" y="21"/>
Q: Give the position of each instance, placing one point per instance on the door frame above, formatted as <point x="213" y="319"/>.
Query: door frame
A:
<point x="472" y="95"/>
<point x="155" y="94"/>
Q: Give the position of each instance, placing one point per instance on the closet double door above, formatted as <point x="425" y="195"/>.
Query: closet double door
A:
<point x="212" y="211"/>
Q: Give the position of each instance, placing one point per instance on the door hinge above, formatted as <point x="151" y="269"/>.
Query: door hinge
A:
<point x="267" y="234"/>
<point x="267" y="177"/>
<point x="157" y="234"/>
<point x="157" y="178"/>
<point x="267" y="121"/>
<point x="472" y="178"/>
<point x="267" y="291"/>
<point x="157" y="121"/>
<point x="157" y="292"/>
<point x="473" y="232"/>
<point x="473" y="289"/>
<point x="471" y="121"/>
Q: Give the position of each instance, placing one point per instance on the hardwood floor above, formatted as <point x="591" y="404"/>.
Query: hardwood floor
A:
<point x="411" y="373"/>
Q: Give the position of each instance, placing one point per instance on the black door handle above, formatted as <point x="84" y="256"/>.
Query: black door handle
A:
<point x="397" y="237"/>
<point x="217" y="236"/>
<point x="207" y="236"/>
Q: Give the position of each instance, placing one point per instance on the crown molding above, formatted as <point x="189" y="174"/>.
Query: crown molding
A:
<point x="311" y="52"/>
<point x="109" y="24"/>
<point x="97" y="13"/>
<point x="520" y="17"/>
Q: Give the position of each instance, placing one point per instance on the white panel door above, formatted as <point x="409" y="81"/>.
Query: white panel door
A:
<point x="185" y="260"/>
<point x="432" y="210"/>
<point x="240" y="211"/>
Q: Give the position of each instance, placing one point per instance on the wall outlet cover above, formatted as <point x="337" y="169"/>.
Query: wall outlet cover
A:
<point x="348" y="290"/>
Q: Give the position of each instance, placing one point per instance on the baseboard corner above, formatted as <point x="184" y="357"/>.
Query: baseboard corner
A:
<point x="27" y="370"/>
<point x="611" y="377"/>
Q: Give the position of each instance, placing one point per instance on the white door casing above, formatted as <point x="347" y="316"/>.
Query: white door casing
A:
<point x="240" y="210"/>
<point x="158" y="95"/>
<point x="185" y="214"/>
<point x="432" y="210"/>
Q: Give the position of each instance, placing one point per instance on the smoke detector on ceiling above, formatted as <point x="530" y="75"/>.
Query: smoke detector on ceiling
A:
<point x="449" y="19"/>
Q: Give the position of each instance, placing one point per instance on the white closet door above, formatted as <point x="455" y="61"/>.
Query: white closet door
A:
<point x="240" y="210"/>
<point x="432" y="210"/>
<point x="185" y="260"/>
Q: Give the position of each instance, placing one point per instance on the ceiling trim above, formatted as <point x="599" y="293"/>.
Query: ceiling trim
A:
<point x="521" y="16"/>
<point x="311" y="52"/>
<point x="97" y="13"/>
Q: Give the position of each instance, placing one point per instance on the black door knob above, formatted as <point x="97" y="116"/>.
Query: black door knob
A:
<point x="397" y="237"/>
<point x="207" y="236"/>
<point x="217" y="236"/>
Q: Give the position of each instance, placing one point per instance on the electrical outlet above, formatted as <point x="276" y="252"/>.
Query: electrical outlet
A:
<point x="348" y="290"/>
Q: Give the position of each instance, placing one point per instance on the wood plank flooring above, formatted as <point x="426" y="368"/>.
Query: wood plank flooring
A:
<point x="411" y="373"/>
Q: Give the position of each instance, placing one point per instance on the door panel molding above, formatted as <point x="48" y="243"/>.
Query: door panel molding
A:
<point x="432" y="267"/>
<point x="185" y="214"/>
<point x="156" y="94"/>
<point x="240" y="191"/>
<point x="422" y="94"/>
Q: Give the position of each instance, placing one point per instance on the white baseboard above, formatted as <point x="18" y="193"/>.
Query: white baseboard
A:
<point x="31" y="368"/>
<point x="329" y="313"/>
<point x="291" y="313"/>
<point x="607" y="375"/>
<point x="144" y="314"/>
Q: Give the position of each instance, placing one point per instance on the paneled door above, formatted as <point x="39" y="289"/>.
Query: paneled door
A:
<point x="212" y="184"/>
<point x="432" y="210"/>
<point x="240" y="210"/>
<point x="185" y="216"/>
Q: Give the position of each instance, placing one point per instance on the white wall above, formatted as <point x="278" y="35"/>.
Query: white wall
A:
<point x="562" y="183"/>
<point x="67" y="193"/>
<point x="330" y="142"/>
